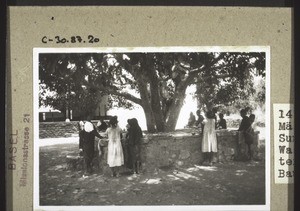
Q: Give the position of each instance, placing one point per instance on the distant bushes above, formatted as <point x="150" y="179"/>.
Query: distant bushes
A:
<point x="235" y="123"/>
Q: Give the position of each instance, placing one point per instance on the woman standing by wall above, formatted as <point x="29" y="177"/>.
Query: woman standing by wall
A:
<point x="209" y="140"/>
<point x="87" y="141"/>
<point x="115" y="157"/>
<point x="134" y="141"/>
<point x="249" y="135"/>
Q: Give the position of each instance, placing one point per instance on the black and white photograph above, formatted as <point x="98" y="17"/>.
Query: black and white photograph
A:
<point x="178" y="127"/>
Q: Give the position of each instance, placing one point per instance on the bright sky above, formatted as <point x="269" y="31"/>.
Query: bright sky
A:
<point x="190" y="105"/>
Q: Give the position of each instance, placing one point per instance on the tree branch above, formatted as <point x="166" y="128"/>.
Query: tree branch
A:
<point x="115" y="91"/>
<point x="191" y="75"/>
<point x="126" y="95"/>
<point x="217" y="76"/>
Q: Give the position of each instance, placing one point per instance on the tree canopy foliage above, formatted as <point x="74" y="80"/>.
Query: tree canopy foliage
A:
<point x="237" y="89"/>
<point x="155" y="81"/>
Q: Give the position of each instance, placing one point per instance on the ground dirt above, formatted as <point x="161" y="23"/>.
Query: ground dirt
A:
<point x="234" y="183"/>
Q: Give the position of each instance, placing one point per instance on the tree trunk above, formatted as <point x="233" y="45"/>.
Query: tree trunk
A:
<point x="160" y="125"/>
<point x="150" y="121"/>
<point x="179" y="96"/>
<point x="156" y="106"/>
<point x="174" y="111"/>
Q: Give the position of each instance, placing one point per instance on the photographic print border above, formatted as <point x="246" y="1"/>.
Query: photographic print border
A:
<point x="37" y="51"/>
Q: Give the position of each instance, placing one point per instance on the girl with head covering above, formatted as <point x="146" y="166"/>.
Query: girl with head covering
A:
<point x="127" y="158"/>
<point x="87" y="138"/>
<point x="249" y="135"/>
<point x="115" y="157"/>
<point x="134" y="145"/>
<point x="222" y="122"/>
<point x="242" y="135"/>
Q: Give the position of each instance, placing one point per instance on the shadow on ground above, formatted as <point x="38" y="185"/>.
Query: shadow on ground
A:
<point x="236" y="183"/>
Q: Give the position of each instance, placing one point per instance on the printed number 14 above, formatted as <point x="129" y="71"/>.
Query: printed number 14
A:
<point x="288" y="114"/>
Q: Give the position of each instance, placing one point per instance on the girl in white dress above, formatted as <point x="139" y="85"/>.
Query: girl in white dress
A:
<point x="209" y="140"/>
<point x="115" y="156"/>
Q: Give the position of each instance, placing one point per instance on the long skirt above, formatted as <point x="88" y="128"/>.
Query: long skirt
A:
<point x="115" y="155"/>
<point x="88" y="155"/>
<point x="209" y="141"/>
<point x="134" y="154"/>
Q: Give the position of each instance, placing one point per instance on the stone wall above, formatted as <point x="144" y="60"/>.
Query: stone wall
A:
<point x="185" y="149"/>
<point x="182" y="149"/>
<point x="231" y="147"/>
<point x="58" y="129"/>
<point x="162" y="151"/>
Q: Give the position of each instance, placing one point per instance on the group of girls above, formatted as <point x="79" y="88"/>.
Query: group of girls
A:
<point x="115" y="149"/>
<point x="209" y="137"/>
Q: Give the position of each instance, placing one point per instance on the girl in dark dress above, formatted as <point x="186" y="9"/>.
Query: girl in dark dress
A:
<point x="199" y="122"/>
<point x="243" y="136"/>
<point x="245" y="124"/>
<point x="222" y="122"/>
<point x="134" y="145"/>
<point x="249" y="136"/>
<point x="127" y="156"/>
<point x="192" y="120"/>
<point x="87" y="136"/>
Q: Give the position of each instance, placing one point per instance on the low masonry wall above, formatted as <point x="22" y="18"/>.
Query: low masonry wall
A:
<point x="180" y="150"/>
<point x="58" y="129"/>
<point x="185" y="149"/>
<point x="68" y="129"/>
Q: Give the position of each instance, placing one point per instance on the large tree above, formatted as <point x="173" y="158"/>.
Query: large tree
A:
<point x="62" y="87"/>
<point x="155" y="81"/>
<point x="238" y="91"/>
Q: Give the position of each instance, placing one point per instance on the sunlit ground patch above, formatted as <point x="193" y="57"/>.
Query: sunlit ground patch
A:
<point x="207" y="168"/>
<point x="121" y="191"/>
<point x="152" y="181"/>
<point x="194" y="169"/>
<point x="58" y="167"/>
<point x="174" y="178"/>
<point x="185" y="175"/>
<point x="133" y="176"/>
<point x="240" y="172"/>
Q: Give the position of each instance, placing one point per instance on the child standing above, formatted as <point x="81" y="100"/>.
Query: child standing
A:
<point x="87" y="136"/>
<point x="115" y="157"/>
<point x="222" y="122"/>
<point x="209" y="140"/>
<point x="250" y="136"/>
<point x="134" y="141"/>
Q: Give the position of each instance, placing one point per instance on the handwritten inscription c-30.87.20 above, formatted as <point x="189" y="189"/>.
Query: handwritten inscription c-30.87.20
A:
<point x="71" y="39"/>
